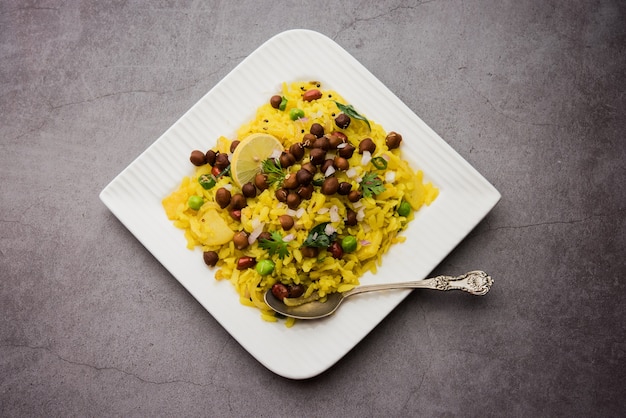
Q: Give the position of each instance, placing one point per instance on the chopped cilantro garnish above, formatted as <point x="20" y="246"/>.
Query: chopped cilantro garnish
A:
<point x="371" y="185"/>
<point x="318" y="238"/>
<point x="275" y="173"/>
<point x="275" y="245"/>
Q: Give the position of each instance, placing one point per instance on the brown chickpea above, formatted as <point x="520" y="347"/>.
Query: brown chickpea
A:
<point x="309" y="252"/>
<point x="233" y="145"/>
<point x="341" y="163"/>
<point x="297" y="150"/>
<point x="322" y="143"/>
<point x="309" y="167"/>
<point x="350" y="217"/>
<point x="210" y="258"/>
<point x="240" y="240"/>
<point x="344" y="188"/>
<point x="286" y="159"/>
<point x="260" y="181"/>
<point x="317" y="130"/>
<point x="286" y="222"/>
<point x="293" y="200"/>
<point x="330" y="186"/>
<point x="238" y="201"/>
<point x="248" y="190"/>
<point x="346" y="151"/>
<point x="335" y="140"/>
<point x="210" y="157"/>
<point x="367" y="145"/>
<point x="291" y="181"/>
<point x="393" y="140"/>
<point x="221" y="161"/>
<point x="304" y="176"/>
<point x="308" y="140"/>
<point x="317" y="156"/>
<point x="275" y="101"/>
<point x="197" y="158"/>
<point x="327" y="164"/>
<point x="281" y="195"/>
<point x="305" y="192"/>
<point x="335" y="250"/>
<point x="354" y="196"/>
<point x="295" y="290"/>
<point x="342" y="121"/>
<point x="222" y="197"/>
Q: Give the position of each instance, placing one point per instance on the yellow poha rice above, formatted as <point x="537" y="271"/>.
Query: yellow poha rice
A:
<point x="379" y="222"/>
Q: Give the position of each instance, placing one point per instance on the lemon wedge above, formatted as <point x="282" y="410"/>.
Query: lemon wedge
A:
<point x="248" y="157"/>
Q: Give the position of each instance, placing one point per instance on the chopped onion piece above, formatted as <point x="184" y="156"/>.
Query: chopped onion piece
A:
<point x="351" y="172"/>
<point x="329" y="229"/>
<point x="300" y="212"/>
<point x="390" y="176"/>
<point x="334" y="214"/>
<point x="290" y="212"/>
<point x="330" y="170"/>
<point x="366" y="158"/>
<point x="228" y="187"/>
<point x="342" y="145"/>
<point x="360" y="215"/>
<point x="255" y="234"/>
<point x="364" y="242"/>
<point x="323" y="210"/>
<point x="289" y="237"/>
<point x="386" y="157"/>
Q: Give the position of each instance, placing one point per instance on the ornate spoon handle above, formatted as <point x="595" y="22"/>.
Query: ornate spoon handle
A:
<point x="475" y="282"/>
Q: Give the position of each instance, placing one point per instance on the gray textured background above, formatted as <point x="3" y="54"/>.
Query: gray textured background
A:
<point x="531" y="93"/>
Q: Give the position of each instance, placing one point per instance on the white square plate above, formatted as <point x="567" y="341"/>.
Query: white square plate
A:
<point x="308" y="348"/>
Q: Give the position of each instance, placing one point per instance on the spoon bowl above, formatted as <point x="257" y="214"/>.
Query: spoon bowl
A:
<point x="475" y="282"/>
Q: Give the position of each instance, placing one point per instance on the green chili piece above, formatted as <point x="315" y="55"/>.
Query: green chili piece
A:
<point x="379" y="162"/>
<point x="207" y="181"/>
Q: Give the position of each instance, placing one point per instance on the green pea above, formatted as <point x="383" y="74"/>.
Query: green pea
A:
<point x="296" y="113"/>
<point x="348" y="244"/>
<point x="404" y="209"/>
<point x="265" y="267"/>
<point x="195" y="202"/>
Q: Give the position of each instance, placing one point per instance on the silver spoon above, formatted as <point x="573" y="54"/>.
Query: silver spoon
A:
<point x="474" y="282"/>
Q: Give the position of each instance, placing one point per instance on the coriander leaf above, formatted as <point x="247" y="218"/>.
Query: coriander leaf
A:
<point x="371" y="184"/>
<point x="275" y="173"/>
<point x="275" y="245"/>
<point x="318" y="238"/>
<point x="351" y="111"/>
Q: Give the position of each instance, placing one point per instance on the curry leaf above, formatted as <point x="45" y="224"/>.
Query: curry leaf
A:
<point x="351" y="111"/>
<point x="318" y="238"/>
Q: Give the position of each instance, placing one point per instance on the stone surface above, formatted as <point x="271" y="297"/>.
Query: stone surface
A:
<point x="533" y="94"/>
